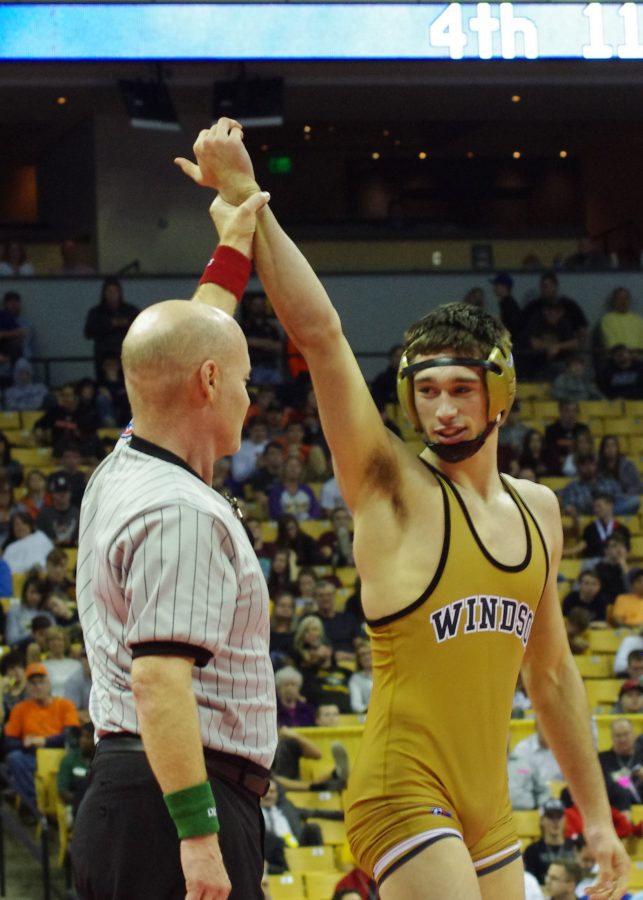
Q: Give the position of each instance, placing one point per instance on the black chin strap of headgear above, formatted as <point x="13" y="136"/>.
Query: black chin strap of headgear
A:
<point x="454" y="453"/>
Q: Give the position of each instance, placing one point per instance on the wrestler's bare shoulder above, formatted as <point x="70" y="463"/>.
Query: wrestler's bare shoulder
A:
<point x="540" y="499"/>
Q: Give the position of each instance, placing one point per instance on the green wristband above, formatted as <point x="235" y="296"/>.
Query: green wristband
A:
<point x="193" y="810"/>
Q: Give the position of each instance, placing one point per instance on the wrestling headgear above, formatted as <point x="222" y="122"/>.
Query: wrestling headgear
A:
<point x="500" y="381"/>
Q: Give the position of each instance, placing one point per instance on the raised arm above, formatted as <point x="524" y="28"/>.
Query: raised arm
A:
<point x="557" y="694"/>
<point x="357" y="437"/>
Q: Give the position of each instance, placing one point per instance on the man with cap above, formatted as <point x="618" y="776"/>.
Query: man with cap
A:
<point x="39" y="721"/>
<point x="553" y="845"/>
<point x="60" y="520"/>
<point x="630" y="699"/>
<point x="510" y="313"/>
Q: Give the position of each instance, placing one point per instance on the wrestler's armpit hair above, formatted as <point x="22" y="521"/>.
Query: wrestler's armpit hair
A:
<point x="458" y="327"/>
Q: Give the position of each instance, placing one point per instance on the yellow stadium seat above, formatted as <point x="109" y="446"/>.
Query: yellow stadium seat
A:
<point x="635" y="881"/>
<point x="636" y="812"/>
<point x="321" y="885"/>
<point x="333" y="831"/>
<point x="624" y="426"/>
<point x="269" y="531"/>
<point x="519" y="729"/>
<point x="602" y="691"/>
<point x="594" y="666"/>
<point x="9" y="420"/>
<point x="29" y="417"/>
<point x="633" y="409"/>
<point x="347" y="575"/>
<point x="315" y="527"/>
<point x="637" y="547"/>
<point x="570" y="568"/>
<point x="286" y="886"/>
<point x="594" y="409"/>
<point x="603" y="640"/>
<point x="47" y="764"/>
<point x="545" y="410"/>
<point x="527" y="822"/>
<point x="310" y="859"/>
<point x="535" y="390"/>
<point x="33" y="457"/>
<point x="556" y="788"/>
<point x="555" y="482"/>
<point x="330" y="800"/>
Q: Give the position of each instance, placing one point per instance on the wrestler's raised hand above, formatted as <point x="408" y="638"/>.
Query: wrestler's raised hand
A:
<point x="222" y="162"/>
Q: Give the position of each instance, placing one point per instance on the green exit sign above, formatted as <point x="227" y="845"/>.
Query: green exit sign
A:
<point x="280" y="165"/>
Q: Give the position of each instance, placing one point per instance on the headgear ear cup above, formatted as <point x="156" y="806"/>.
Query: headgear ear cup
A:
<point x="500" y="380"/>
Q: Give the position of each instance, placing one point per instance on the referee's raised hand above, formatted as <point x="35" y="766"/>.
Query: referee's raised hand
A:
<point x="205" y="874"/>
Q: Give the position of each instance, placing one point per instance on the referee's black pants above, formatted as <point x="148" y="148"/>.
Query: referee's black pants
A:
<point x="125" y="845"/>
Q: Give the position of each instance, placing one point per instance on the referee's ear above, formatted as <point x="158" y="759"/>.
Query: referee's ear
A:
<point x="209" y="376"/>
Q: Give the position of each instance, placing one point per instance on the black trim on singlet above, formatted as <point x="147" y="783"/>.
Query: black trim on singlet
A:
<point x="536" y="526"/>
<point x="519" y="567"/>
<point x="374" y="623"/>
<point x="500" y="864"/>
<point x="172" y="648"/>
<point x="143" y="446"/>
<point x="414" y="852"/>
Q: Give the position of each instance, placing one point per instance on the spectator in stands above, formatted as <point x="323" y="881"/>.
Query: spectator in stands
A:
<point x="61" y="422"/>
<point x="77" y="687"/>
<point x="622" y="375"/>
<point x="14" y="263"/>
<point x="582" y="445"/>
<point x="21" y="615"/>
<point x="534" y="749"/>
<point x="634" y="670"/>
<point x="292" y="495"/>
<point x="13" y="335"/>
<point x="612" y="568"/>
<point x="588" y="596"/>
<point x="588" y="256"/>
<point x="60" y="520"/>
<point x="324" y="680"/>
<point x="8" y="507"/>
<point x="622" y="766"/>
<point x="291" y="536"/>
<point x="537" y="456"/>
<point x="269" y="472"/>
<point x="549" y="293"/>
<point x="313" y="457"/>
<point x="553" y="845"/>
<point x="628" y="659"/>
<point x="263" y="548"/>
<point x="244" y="461"/>
<point x="62" y="609"/>
<point x="304" y="590"/>
<point x="474" y="297"/>
<point x="280" y="574"/>
<point x="630" y="699"/>
<point x="292" y="710"/>
<point x="620" y="325"/>
<point x="14" y="680"/>
<point x="73" y="775"/>
<point x="561" y="879"/>
<point x="549" y="338"/>
<point x="560" y="435"/>
<point x="39" y="721"/>
<point x="576" y="624"/>
<point x="108" y="322"/>
<point x="510" y="313"/>
<point x="628" y="608"/>
<point x="59" y="664"/>
<point x="575" y="383"/>
<point x="308" y="633"/>
<point x="360" y="684"/>
<point x="527" y="789"/>
<point x="341" y="628"/>
<point x="35" y="646"/>
<point x="112" y="398"/>
<point x="36" y="495"/>
<point x="70" y="462"/>
<point x="284" y="820"/>
<point x="578" y="497"/>
<point x="356" y="885"/>
<point x="613" y="464"/>
<point x="603" y="525"/>
<point x="282" y="628"/>
<point x="71" y="263"/>
<point x="308" y="415"/>
<point x="384" y="385"/>
<point x="26" y="546"/>
<point x="24" y="393"/>
<point x="12" y="306"/>
<point x="265" y="341"/>
<point x="330" y="496"/>
<point x="9" y="467"/>
<point x="513" y="432"/>
<point x="336" y="546"/>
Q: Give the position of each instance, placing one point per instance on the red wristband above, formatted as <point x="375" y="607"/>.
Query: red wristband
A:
<point x="228" y="268"/>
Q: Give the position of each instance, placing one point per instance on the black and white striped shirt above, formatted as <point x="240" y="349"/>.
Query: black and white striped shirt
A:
<point x="165" y="567"/>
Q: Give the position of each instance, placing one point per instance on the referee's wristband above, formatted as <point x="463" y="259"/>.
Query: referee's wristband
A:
<point x="228" y="268"/>
<point x="193" y="810"/>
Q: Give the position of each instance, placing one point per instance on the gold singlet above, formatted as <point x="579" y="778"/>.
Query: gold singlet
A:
<point x="432" y="762"/>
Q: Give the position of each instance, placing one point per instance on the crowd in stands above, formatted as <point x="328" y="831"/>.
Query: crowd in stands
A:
<point x="299" y="525"/>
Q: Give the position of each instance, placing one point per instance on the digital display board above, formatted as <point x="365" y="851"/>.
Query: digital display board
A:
<point x="220" y="31"/>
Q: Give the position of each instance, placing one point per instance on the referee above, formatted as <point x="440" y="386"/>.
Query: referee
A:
<point x="174" y="609"/>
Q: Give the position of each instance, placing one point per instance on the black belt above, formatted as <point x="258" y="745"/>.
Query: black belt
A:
<point x="249" y="775"/>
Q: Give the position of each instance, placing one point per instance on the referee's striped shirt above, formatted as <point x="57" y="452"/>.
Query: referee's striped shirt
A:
<point x="165" y="567"/>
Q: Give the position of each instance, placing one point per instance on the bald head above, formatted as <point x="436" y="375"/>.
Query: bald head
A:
<point x="166" y="346"/>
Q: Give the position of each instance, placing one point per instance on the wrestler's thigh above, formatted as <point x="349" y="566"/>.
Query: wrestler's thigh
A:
<point x="443" y="869"/>
<point x="506" y="883"/>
